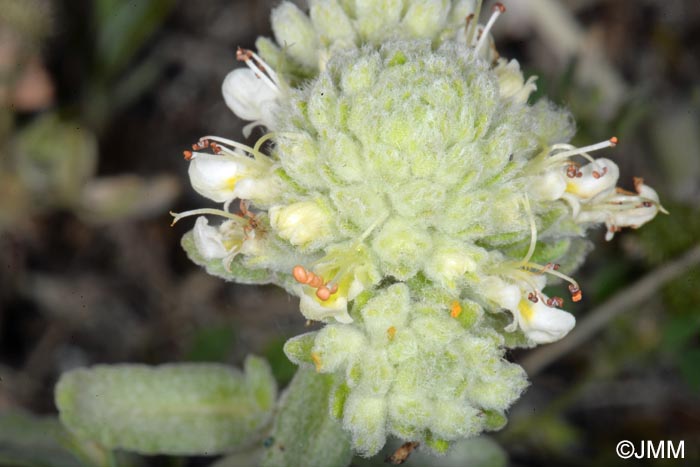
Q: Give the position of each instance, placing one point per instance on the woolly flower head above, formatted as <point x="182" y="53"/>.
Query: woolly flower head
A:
<point x="413" y="200"/>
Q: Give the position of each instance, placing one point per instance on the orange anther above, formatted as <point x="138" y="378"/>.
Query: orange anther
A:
<point x="576" y="294"/>
<point x="323" y="293"/>
<point x="314" y="280"/>
<point x="391" y="332"/>
<point x="455" y="309"/>
<point x="187" y="154"/>
<point x="300" y="274"/>
<point x="613" y="140"/>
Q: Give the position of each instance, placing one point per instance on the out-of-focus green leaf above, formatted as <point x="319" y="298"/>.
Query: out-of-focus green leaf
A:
<point x="30" y="441"/>
<point x="690" y="367"/>
<point x="680" y="330"/>
<point x="126" y="197"/>
<point x="123" y="29"/>
<point x="171" y="409"/>
<point x="211" y="344"/>
<point x="282" y="368"/>
<point x="304" y="432"/>
<point x="54" y="159"/>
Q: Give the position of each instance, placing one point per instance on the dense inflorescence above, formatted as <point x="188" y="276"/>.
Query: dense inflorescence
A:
<point x="415" y="202"/>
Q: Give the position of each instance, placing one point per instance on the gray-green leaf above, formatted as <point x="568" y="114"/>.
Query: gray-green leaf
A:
<point x="304" y="432"/>
<point x="183" y="409"/>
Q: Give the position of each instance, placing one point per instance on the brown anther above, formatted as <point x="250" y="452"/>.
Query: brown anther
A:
<point x="203" y="144"/>
<point x="613" y="140"/>
<point x="300" y="274"/>
<point x="576" y="294"/>
<point x="187" y="155"/>
<point x="215" y="148"/>
<point x="579" y="174"/>
<point x="555" y="302"/>
<point x="469" y="19"/>
<point x="571" y="171"/>
<point x="243" y="55"/>
<point x="500" y="7"/>
<point x="555" y="266"/>
<point x="323" y="293"/>
<point x="647" y="204"/>
<point x="597" y="174"/>
<point x="532" y="296"/>
<point x="402" y="454"/>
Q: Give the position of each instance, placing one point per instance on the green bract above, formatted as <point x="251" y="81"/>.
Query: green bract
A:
<point x="414" y="201"/>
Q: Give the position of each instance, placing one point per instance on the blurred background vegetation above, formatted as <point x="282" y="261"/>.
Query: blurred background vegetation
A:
<point x="98" y="98"/>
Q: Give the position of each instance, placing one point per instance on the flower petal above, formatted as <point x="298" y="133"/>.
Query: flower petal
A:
<point x="248" y="96"/>
<point x="543" y="324"/>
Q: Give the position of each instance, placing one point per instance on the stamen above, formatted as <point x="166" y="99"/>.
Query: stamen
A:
<point x="323" y="293"/>
<point x="300" y="274"/>
<point x="197" y="212"/>
<point x="259" y="67"/>
<point x="187" y="155"/>
<point x="472" y="27"/>
<point x="575" y="291"/>
<point x="231" y="143"/>
<point x="390" y="333"/>
<point x="533" y="231"/>
<point x="199" y="145"/>
<point x="557" y="302"/>
<point x="574" y="288"/>
<point x="583" y="152"/>
<point x="261" y="141"/>
<point x="306" y="277"/>
<point x="532" y="296"/>
<point x="498" y="10"/>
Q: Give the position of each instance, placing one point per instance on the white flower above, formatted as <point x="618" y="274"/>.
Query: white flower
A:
<point x="541" y="323"/>
<point x="249" y="96"/>
<point x="225" y="177"/>
<point x="505" y="295"/>
<point x="624" y="209"/>
<point x="596" y="179"/>
<point x="209" y="240"/>
<point x="314" y="309"/>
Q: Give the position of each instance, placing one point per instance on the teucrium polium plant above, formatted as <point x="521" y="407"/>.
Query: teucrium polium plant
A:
<point x="417" y="203"/>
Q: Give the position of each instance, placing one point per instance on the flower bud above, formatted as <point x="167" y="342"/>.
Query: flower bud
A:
<point x="511" y="83"/>
<point x="302" y="223"/>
